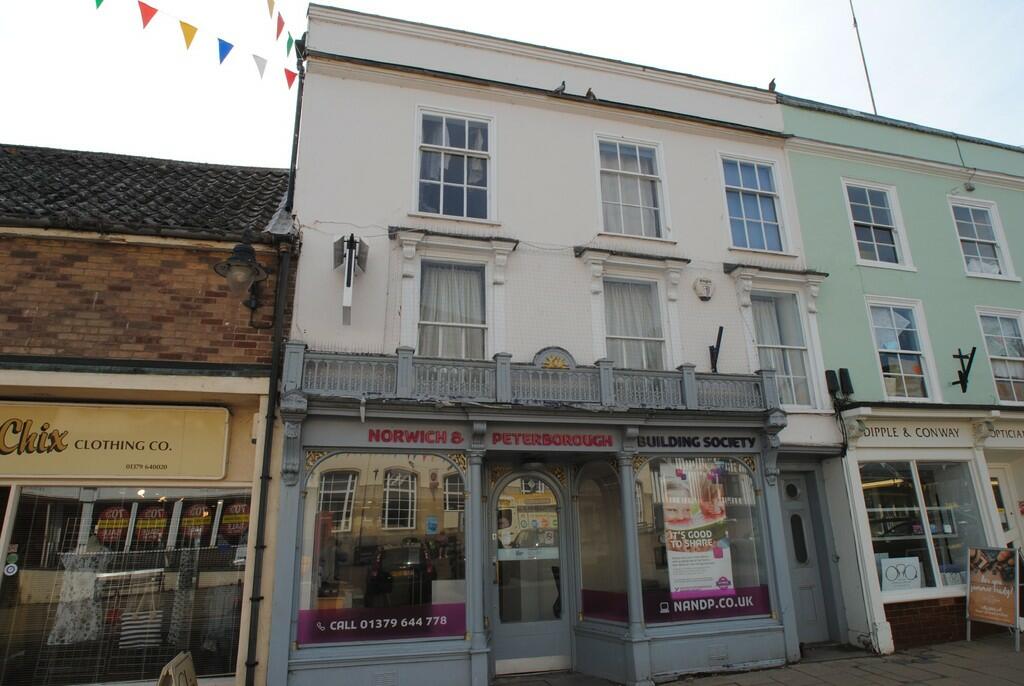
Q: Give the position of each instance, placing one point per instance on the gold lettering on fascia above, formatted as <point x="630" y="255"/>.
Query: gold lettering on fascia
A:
<point x="17" y="437"/>
<point x="912" y="432"/>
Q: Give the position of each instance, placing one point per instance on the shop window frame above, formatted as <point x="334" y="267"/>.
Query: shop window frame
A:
<point x="940" y="589"/>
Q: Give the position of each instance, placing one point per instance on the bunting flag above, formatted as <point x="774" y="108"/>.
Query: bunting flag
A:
<point x="147" y="11"/>
<point x="261" y="64"/>
<point x="223" y="47"/>
<point x="188" y="32"/>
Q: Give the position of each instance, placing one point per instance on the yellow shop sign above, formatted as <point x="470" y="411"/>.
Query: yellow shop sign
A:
<point x="112" y="441"/>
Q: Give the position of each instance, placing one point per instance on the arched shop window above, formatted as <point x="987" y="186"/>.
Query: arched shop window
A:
<point x="703" y="556"/>
<point x="602" y="550"/>
<point x="398" y="570"/>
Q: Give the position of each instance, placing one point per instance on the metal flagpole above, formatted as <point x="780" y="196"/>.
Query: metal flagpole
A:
<point x="863" y="61"/>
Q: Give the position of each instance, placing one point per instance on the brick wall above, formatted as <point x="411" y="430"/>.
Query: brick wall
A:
<point x="101" y="299"/>
<point x="925" y="622"/>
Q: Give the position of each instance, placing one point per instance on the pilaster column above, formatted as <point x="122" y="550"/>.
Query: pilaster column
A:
<point x="286" y="550"/>
<point x="476" y="557"/>
<point x="776" y="543"/>
<point x="638" y="654"/>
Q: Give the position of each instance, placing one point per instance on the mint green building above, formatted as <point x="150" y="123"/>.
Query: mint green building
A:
<point x="922" y="234"/>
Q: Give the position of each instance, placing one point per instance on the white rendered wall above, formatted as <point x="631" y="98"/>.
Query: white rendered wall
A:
<point x="356" y="174"/>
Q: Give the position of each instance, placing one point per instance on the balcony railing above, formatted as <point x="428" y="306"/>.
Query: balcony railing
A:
<point x="404" y="376"/>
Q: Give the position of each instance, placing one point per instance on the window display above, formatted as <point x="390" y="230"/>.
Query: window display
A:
<point x="703" y="557"/>
<point x="602" y="548"/>
<point x="112" y="582"/>
<point x="397" y="569"/>
<point x="922" y="516"/>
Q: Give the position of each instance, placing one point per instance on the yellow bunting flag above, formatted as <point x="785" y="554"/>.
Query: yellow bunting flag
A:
<point x="189" y="32"/>
<point x="270" y="7"/>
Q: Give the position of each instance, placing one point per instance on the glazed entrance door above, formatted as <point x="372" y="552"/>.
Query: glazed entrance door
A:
<point x="1005" y="493"/>
<point x="805" y="574"/>
<point x="530" y="630"/>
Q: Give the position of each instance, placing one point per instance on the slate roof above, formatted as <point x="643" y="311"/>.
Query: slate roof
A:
<point x="90" y="191"/>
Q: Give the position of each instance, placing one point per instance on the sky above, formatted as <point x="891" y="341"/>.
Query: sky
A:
<point x="81" y="77"/>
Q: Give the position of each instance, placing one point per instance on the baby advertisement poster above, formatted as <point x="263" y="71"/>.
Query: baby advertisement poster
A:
<point x="696" y="541"/>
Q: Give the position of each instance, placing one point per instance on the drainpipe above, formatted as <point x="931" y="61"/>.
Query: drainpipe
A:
<point x="284" y="273"/>
<point x="284" y="276"/>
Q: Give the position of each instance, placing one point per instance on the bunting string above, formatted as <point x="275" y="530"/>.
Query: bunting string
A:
<point x="148" y="11"/>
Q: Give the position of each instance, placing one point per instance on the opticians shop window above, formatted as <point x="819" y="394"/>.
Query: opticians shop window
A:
<point x="113" y="582"/>
<point x="399" y="570"/>
<point x="922" y="516"/>
<point x="703" y="556"/>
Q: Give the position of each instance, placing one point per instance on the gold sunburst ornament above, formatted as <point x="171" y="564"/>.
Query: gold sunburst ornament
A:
<point x="554" y="361"/>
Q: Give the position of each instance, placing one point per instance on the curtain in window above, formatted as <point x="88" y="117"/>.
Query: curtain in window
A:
<point x="452" y="294"/>
<point x="781" y="345"/>
<point x="630" y="314"/>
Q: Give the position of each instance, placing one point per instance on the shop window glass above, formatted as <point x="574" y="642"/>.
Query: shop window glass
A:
<point x="703" y="556"/>
<point x="337" y="491"/>
<point x="907" y="543"/>
<point x="398" y="571"/>
<point x="602" y="551"/>
<point x="528" y="573"/>
<point x="454" y="493"/>
<point x="114" y="582"/>
<point x="953" y="517"/>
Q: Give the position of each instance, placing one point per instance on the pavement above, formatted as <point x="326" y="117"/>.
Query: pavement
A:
<point x="988" y="661"/>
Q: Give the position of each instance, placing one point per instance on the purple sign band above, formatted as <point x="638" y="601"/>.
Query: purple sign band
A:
<point x="743" y="601"/>
<point x="374" y="623"/>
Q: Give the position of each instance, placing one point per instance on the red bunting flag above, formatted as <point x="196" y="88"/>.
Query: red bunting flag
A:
<point x="289" y="76"/>
<point x="148" y="12"/>
<point x="280" y="24"/>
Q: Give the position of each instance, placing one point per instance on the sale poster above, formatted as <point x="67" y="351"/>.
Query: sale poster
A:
<point x="696" y="541"/>
<point x="991" y="593"/>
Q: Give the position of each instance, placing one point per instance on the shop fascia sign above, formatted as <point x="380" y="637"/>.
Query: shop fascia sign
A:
<point x="112" y="441"/>
<point x="697" y="441"/>
<point x="499" y="437"/>
<point x="896" y="433"/>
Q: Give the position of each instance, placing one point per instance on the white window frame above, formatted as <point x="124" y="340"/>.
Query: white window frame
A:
<point x="1007" y="314"/>
<point x="1002" y="249"/>
<point x="450" y="493"/>
<point x="348" y="497"/>
<point x="664" y="340"/>
<point x="784" y="237"/>
<point x="927" y="358"/>
<point x="807" y="347"/>
<point x="940" y="590"/>
<point x="662" y="178"/>
<point x="386" y="495"/>
<point x="476" y="266"/>
<point x="490" y="154"/>
<point x="902" y="243"/>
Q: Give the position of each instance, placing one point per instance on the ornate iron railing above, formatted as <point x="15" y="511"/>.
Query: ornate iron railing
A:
<point x="403" y="376"/>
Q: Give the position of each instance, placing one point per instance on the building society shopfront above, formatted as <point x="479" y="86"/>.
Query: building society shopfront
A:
<point x="450" y="545"/>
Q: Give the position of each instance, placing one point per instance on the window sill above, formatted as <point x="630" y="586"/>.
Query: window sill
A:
<point x="901" y="399"/>
<point x="755" y="251"/>
<point x="446" y="218"/>
<point x="923" y="594"/>
<point x="610" y="234"/>
<point x="993" y="277"/>
<point x="804" y="409"/>
<point x="887" y="265"/>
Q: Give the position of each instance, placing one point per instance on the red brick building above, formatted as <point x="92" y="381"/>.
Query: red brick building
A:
<point x="137" y="536"/>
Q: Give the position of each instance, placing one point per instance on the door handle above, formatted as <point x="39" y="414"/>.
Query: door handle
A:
<point x="497" y="572"/>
